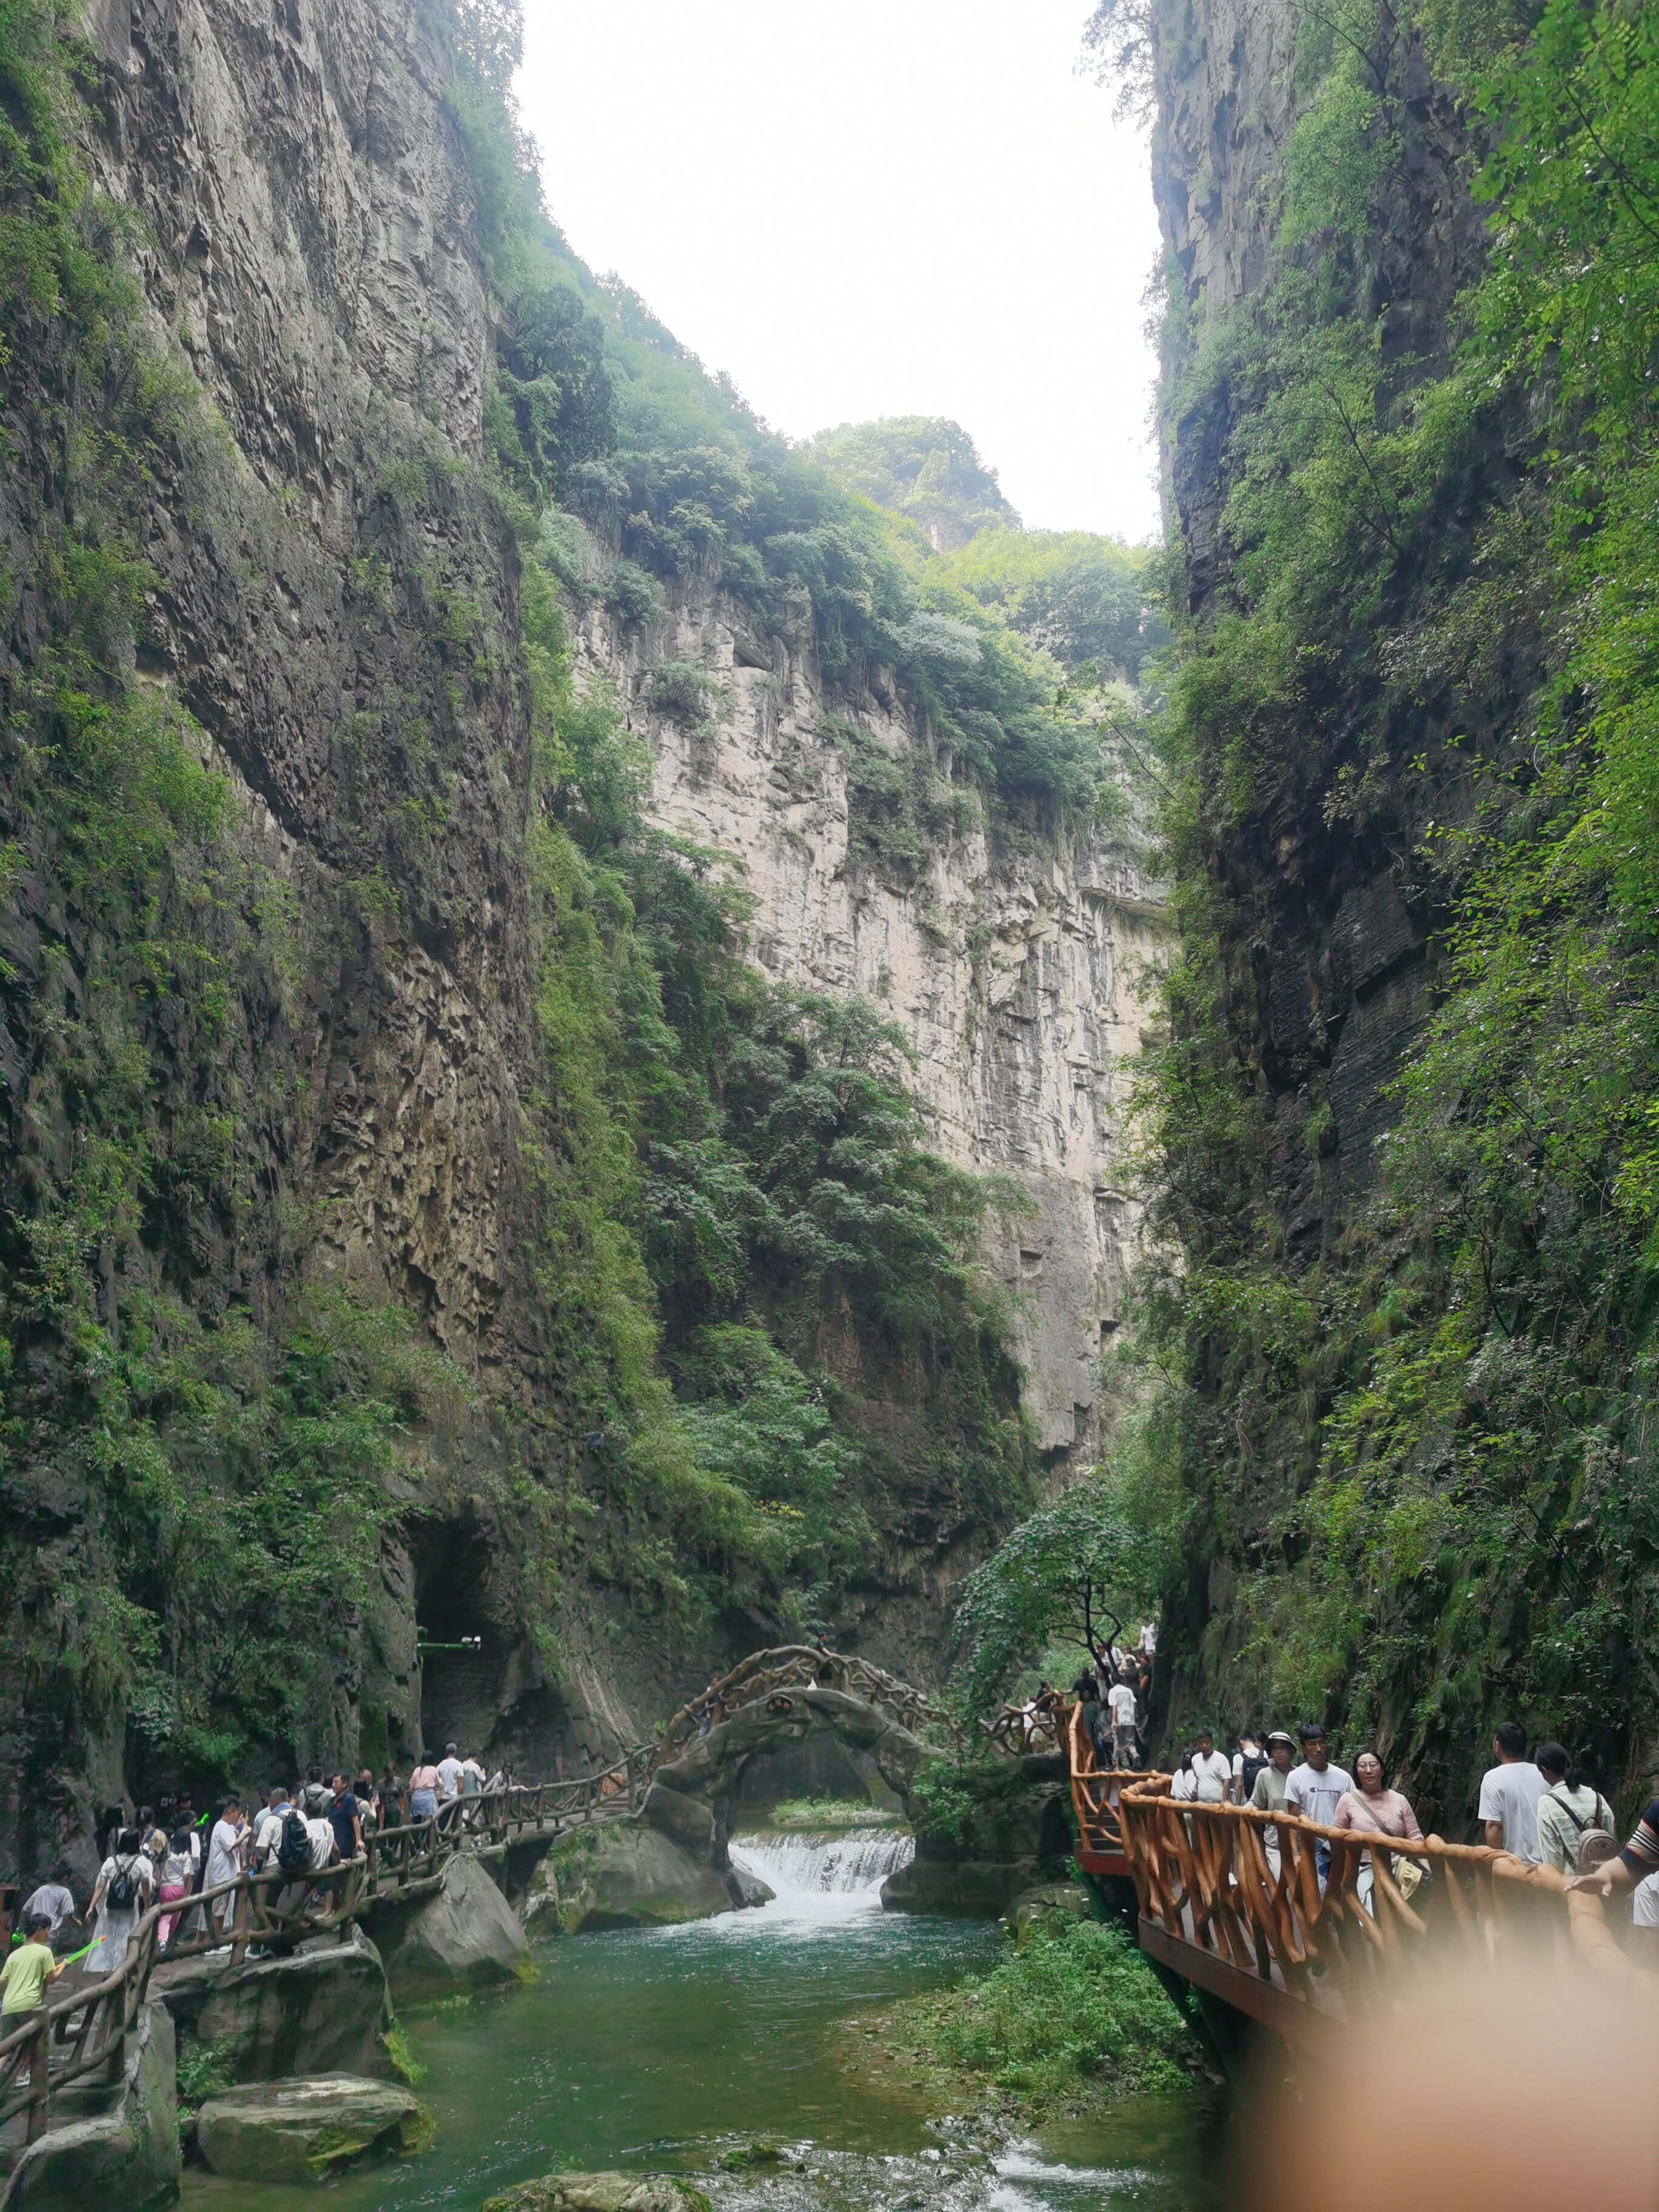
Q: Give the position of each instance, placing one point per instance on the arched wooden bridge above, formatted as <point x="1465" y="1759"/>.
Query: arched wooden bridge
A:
<point x="1267" y="1940"/>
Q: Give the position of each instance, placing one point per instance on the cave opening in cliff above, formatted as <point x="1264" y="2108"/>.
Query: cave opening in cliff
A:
<point x="461" y="1649"/>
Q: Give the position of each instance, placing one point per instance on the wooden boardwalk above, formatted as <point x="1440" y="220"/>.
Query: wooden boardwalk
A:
<point x="82" y="2034"/>
<point x="1296" y="1925"/>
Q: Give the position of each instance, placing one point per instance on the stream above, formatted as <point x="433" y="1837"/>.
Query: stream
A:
<point x="659" y="2049"/>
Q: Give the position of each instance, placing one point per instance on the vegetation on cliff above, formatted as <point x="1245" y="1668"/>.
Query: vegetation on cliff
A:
<point x="1419" y="1440"/>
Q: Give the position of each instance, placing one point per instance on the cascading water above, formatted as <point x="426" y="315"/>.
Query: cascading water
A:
<point x="844" y="1863"/>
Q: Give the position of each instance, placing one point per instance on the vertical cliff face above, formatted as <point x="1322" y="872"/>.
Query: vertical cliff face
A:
<point x="1412" y="1327"/>
<point x="1018" y="966"/>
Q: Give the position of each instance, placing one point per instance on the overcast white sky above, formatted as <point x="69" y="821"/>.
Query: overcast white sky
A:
<point x="874" y="207"/>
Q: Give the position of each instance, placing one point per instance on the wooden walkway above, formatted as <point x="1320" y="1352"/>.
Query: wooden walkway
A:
<point x="82" y="2034"/>
<point x="1294" y="1924"/>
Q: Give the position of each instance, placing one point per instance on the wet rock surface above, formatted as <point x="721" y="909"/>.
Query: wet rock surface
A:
<point x="464" y="1934"/>
<point x="306" y="2130"/>
<point x="629" y="1876"/>
<point x="321" y="2010"/>
<point x="601" y="2192"/>
<point x="121" y="2160"/>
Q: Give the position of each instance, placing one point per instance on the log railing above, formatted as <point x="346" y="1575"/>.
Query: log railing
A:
<point x="796" y="1666"/>
<point x="1295" y="1922"/>
<point x="80" y="2035"/>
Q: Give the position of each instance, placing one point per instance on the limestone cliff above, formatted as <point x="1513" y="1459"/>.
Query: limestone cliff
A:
<point x="1019" y="970"/>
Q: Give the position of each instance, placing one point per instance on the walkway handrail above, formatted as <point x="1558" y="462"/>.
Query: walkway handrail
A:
<point x="1290" y="1920"/>
<point x="278" y="1910"/>
<point x="793" y="1666"/>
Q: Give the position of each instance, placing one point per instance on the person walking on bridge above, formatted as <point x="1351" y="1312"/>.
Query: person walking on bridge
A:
<point x="1372" y="1810"/>
<point x="1574" y="1826"/>
<point x="1267" y="1792"/>
<point x="1315" y="1789"/>
<point x="1509" y="1796"/>
<point x="1121" y="1704"/>
<point x="1212" y="1770"/>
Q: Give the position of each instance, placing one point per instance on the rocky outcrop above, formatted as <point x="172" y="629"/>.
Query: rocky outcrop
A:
<point x="320" y="2011"/>
<point x="307" y="2130"/>
<point x="601" y="2192"/>
<point x="464" y="1934"/>
<point x="625" y="1875"/>
<point x="1015" y="1836"/>
<point x="709" y="1773"/>
<point x="124" y="2159"/>
<point x="1015" y="964"/>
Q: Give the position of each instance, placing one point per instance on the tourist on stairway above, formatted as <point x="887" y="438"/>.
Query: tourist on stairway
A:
<point x="268" y="1828"/>
<point x="176" y="1871"/>
<point x="1509" y="1796"/>
<point x="1574" y="1826"/>
<point x="29" y="1966"/>
<point x="317" y="1796"/>
<point x="1212" y="1770"/>
<point x="54" y="1898"/>
<point x="226" y="1844"/>
<point x="1120" y="1706"/>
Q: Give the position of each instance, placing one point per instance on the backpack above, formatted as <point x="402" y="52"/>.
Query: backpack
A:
<point x="1254" y="1763"/>
<point x="123" y="1893"/>
<point x="1596" y="1845"/>
<point x="293" y="1844"/>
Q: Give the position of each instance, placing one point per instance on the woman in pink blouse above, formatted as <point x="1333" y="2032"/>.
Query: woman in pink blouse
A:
<point x="1372" y="1810"/>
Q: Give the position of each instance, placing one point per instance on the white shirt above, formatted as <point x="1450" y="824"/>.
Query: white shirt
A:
<point x="449" y="1778"/>
<point x="222" y="1855"/>
<point x="268" y="1833"/>
<point x="1121" y="1699"/>
<point x="321" y="1833"/>
<point x="1509" y="1795"/>
<point x="1210" y="1774"/>
<point x="1314" y="1795"/>
<point x="1184" y="1784"/>
<point x="1149" y="1637"/>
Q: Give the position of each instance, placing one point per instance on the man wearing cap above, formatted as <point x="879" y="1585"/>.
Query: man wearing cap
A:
<point x="1268" y="1793"/>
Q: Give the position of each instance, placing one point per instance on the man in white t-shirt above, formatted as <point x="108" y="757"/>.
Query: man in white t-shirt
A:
<point x="449" y="1776"/>
<point x="1211" y="1771"/>
<point x="1509" y="1794"/>
<point x="1312" y="1789"/>
<point x="1149" y="1638"/>
<point x="1121" y="1704"/>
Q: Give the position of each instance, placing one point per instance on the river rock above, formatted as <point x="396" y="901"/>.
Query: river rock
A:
<point x="628" y="1876"/>
<point x="320" y="2010"/>
<point x="465" y="1933"/>
<point x="123" y="2159"/>
<point x="306" y="2130"/>
<point x="1047" y="1905"/>
<point x="687" y="1820"/>
<point x="601" y="2192"/>
<point x="748" y="1889"/>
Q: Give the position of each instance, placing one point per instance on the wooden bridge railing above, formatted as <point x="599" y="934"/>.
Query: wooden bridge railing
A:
<point x="82" y="2035"/>
<point x="793" y="1666"/>
<point x="1295" y="1924"/>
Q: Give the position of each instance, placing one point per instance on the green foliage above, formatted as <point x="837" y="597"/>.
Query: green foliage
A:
<point x="921" y="467"/>
<point x="1425" y="1458"/>
<point x="1074" y="595"/>
<point x="1073" y="2015"/>
<point x="1079" y="1569"/>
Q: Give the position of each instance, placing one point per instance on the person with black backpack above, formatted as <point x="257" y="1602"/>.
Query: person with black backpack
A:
<point x="1248" y="1762"/>
<point x="123" y="1891"/>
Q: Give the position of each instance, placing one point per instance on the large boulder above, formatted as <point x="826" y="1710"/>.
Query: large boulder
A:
<point x="687" y="1820"/>
<point x="321" y="2010"/>
<point x="1050" y="1905"/>
<point x="625" y="1875"/>
<point x="124" y="2158"/>
<point x="977" y="1889"/>
<point x="600" y="2192"/>
<point x="465" y="1933"/>
<point x="306" y="2130"/>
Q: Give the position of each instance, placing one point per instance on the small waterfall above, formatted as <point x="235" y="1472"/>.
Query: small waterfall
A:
<point x="816" y="1863"/>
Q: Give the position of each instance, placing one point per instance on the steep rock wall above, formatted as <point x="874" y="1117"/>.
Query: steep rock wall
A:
<point x="1018" y="965"/>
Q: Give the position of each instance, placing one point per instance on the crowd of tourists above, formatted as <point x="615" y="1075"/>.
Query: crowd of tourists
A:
<point x="1531" y="1804"/>
<point x="166" y="1854"/>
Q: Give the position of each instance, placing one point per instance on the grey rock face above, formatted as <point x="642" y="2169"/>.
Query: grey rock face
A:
<point x="305" y="2130"/>
<point x="628" y="1876"/>
<point x="467" y="1934"/>
<point x="124" y="2159"/>
<point x="1019" y="975"/>
<point x="320" y="2011"/>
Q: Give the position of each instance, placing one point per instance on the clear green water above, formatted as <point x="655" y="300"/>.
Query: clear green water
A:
<point x="657" y="2050"/>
